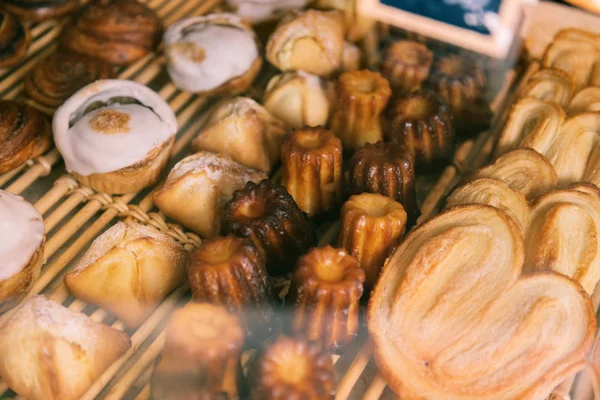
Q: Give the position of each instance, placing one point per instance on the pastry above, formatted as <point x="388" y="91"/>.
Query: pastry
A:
<point x="267" y="214"/>
<point x="406" y="64"/>
<point x="40" y="10"/>
<point x="372" y="225"/>
<point x="21" y="248"/>
<point x="311" y="41"/>
<point x="361" y="97"/>
<point x="453" y="318"/>
<point x="422" y="121"/>
<point x="244" y="130"/>
<point x="311" y="161"/>
<point x="15" y="39"/>
<point x="52" y="353"/>
<point x="25" y="133"/>
<point x="549" y="84"/>
<point x="326" y="288"/>
<point x="201" y="355"/>
<point x="357" y="24"/>
<point x="115" y="135"/>
<point x="298" y="99"/>
<point x="577" y="58"/>
<point x="262" y="11"/>
<point x="115" y="31"/>
<point x="212" y="54"/>
<point x="58" y="76"/>
<point x="587" y="99"/>
<point x="198" y="187"/>
<point x="351" y="57"/>
<point x="291" y="368"/>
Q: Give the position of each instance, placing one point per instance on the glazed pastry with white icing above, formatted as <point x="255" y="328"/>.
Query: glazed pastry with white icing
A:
<point x="115" y="135"/>
<point x="21" y="248"/>
<point x="259" y="11"/>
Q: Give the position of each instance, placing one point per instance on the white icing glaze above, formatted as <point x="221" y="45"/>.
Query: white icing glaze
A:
<point x="256" y="11"/>
<point x="88" y="150"/>
<point x="21" y="233"/>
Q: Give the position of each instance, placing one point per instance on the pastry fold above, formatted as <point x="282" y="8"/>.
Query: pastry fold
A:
<point x="587" y="99"/>
<point x="15" y="39"/>
<point x="551" y="85"/>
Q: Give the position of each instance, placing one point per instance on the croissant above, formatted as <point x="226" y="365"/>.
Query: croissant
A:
<point x="15" y="39"/>
<point x="549" y="84"/>
<point x="577" y="58"/>
<point x="587" y="99"/>
<point x="40" y="10"/>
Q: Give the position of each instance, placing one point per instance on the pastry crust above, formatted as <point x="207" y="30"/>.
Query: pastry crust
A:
<point x="357" y="24"/>
<point x="587" y="99"/>
<point x="15" y="288"/>
<point x="15" y="39"/>
<point x="40" y="10"/>
<point x="406" y="64"/>
<point x="549" y="84"/>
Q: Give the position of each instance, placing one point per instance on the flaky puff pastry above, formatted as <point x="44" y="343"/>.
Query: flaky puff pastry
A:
<point x="201" y="356"/>
<point x="587" y="99"/>
<point x="129" y="270"/>
<point x="357" y="24"/>
<point x="406" y="64"/>
<point x="549" y="84"/>
<point x="15" y="39"/>
<point x="52" y="353"/>
<point x="453" y="318"/>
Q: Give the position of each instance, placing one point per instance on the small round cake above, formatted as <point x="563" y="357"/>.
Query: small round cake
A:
<point x="406" y="64"/>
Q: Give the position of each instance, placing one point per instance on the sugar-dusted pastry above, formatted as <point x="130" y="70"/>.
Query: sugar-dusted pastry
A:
<point x="244" y="130"/>
<point x="40" y="10"/>
<point x="115" y="135"/>
<point x="587" y="99"/>
<point x="21" y="248"/>
<point x="357" y="24"/>
<point x="453" y="317"/>
<point x="267" y="214"/>
<point x="298" y="99"/>
<point x="261" y="11"/>
<point x="129" y="270"/>
<point x="201" y="356"/>
<point x="61" y="74"/>
<point x="52" y="353"/>
<point x="311" y="41"/>
<point x="549" y="84"/>
<point x="423" y="122"/>
<point x="15" y="39"/>
<point x="311" y="161"/>
<point x="25" y="133"/>
<point x="326" y="288"/>
<point x="291" y="368"/>
<point x="198" y="187"/>
<point x="116" y="31"/>
<point x="406" y="64"/>
<point x="372" y="225"/>
<point x="361" y="97"/>
<point x="212" y="54"/>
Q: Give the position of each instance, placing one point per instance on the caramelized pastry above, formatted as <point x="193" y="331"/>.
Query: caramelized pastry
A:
<point x="40" y="10"/>
<point x="372" y="225"/>
<point x="212" y="54"/>
<point x="262" y="11"/>
<point x="201" y="356"/>
<point x="244" y="130"/>
<point x="25" y="133"/>
<point x="129" y="270"/>
<point x="21" y="248"/>
<point x="267" y="214"/>
<point x="115" y="135"/>
<point x="311" y="41"/>
<point x="292" y="368"/>
<point x="198" y="187"/>
<point x="577" y="58"/>
<point x="326" y="288"/>
<point x="453" y="317"/>
<point x="587" y="99"/>
<point x="15" y="39"/>
<point x="549" y="84"/>
<point x="406" y="64"/>
<point x="312" y="169"/>
<point x="52" y="353"/>
<point x="115" y="31"/>
<point x="357" y="24"/>
<point x="361" y="98"/>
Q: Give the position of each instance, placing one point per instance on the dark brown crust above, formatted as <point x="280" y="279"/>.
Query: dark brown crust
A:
<point x="15" y="39"/>
<point x="406" y="64"/>
<point x="40" y="10"/>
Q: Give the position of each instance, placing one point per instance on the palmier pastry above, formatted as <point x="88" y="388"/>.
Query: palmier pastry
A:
<point x="58" y="76"/>
<point x="15" y="39"/>
<point x="422" y="121"/>
<point x="21" y="248"/>
<point x="116" y="31"/>
<point x="372" y="225"/>
<point x="267" y="214"/>
<point x="291" y="368"/>
<point x="129" y="270"/>
<point x="357" y="24"/>
<point x="577" y="58"/>
<point x="244" y="130"/>
<point x="115" y="135"/>
<point x="201" y="356"/>
<point x="312" y="169"/>
<point x="40" y="10"/>
<point x="406" y="64"/>
<point x="549" y="84"/>
<point x="198" y="187"/>
<point x="452" y="316"/>
<point x="326" y="288"/>
<point x="52" y="353"/>
<point x="361" y="98"/>
<point x="298" y="99"/>
<point x="212" y="54"/>
<point x="587" y="99"/>
<point x="25" y="133"/>
<point x="262" y="11"/>
<point x="311" y="41"/>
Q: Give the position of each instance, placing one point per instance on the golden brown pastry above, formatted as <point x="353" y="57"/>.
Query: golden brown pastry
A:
<point x="198" y="187"/>
<point x="311" y="161"/>
<point x="25" y="133"/>
<point x="587" y="99"/>
<point x="453" y="317"/>
<point x="577" y="58"/>
<point x="129" y="270"/>
<point x="372" y="225"/>
<point x="115" y="31"/>
<point x="244" y="130"/>
<point x="52" y="353"/>
<point x="267" y="214"/>
<point x="361" y="97"/>
<point x="15" y="39"/>
<point x="406" y="64"/>
<point x="549" y="84"/>
<point x="40" y="10"/>
<point x="357" y="24"/>
<point x="201" y="356"/>
<point x="351" y="57"/>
